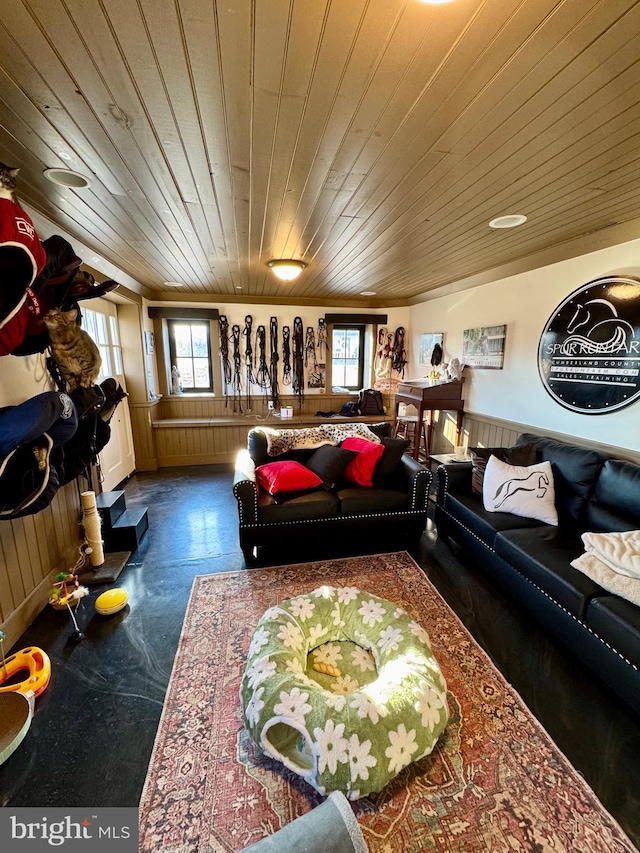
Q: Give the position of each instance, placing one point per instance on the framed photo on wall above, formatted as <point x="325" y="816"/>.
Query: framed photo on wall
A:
<point x="427" y="343"/>
<point x="483" y="347"/>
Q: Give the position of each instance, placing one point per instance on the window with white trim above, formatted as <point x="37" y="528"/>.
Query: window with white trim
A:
<point x="190" y="350"/>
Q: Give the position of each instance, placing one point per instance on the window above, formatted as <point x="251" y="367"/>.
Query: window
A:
<point x="190" y="348"/>
<point x="347" y="356"/>
<point x="95" y="324"/>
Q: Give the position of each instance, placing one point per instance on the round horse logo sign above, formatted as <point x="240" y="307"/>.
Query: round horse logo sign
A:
<point x="589" y="352"/>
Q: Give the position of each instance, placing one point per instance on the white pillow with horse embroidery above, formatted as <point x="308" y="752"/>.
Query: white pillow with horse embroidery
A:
<point x="519" y="490"/>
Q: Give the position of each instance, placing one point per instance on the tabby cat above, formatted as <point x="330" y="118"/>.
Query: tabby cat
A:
<point x="8" y="181"/>
<point x="73" y="349"/>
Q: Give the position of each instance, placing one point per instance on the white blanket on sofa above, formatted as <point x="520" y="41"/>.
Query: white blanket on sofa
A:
<point x="281" y="440"/>
<point x="612" y="560"/>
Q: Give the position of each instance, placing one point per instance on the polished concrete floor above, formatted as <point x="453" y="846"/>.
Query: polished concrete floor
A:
<point x="94" y="727"/>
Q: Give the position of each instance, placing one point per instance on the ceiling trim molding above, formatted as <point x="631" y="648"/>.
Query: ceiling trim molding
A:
<point x="366" y="319"/>
<point x="156" y="313"/>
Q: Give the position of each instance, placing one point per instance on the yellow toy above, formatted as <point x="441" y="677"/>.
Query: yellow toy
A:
<point x="34" y="662"/>
<point x="111" y="601"/>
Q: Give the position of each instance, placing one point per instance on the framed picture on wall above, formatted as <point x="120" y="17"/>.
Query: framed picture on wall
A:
<point x="149" y="343"/>
<point x="427" y="343"/>
<point x="483" y="347"/>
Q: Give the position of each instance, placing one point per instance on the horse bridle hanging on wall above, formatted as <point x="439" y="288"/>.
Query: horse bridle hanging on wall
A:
<point x="310" y="348"/>
<point x="321" y="341"/>
<point x="248" y="358"/>
<point x="262" y="371"/>
<point x="237" y="367"/>
<point x="286" y="355"/>
<point x="224" y="356"/>
<point x="273" y="362"/>
<point x="298" y="359"/>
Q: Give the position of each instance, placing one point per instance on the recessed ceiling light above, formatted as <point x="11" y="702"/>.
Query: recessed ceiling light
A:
<point x="286" y="269"/>
<point x="435" y="2"/>
<point x="67" y="178"/>
<point x="173" y="284"/>
<point x="64" y="156"/>
<point x="367" y="293"/>
<point x="511" y="220"/>
<point x="238" y="287"/>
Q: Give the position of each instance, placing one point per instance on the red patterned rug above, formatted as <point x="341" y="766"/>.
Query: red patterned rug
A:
<point x="495" y="781"/>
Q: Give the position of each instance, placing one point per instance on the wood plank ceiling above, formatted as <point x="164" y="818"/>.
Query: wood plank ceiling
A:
<point x="373" y="139"/>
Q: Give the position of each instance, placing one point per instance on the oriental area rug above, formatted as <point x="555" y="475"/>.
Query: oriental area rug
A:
<point x="494" y="782"/>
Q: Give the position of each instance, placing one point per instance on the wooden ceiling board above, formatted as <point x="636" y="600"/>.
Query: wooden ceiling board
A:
<point x="374" y="139"/>
<point x="527" y="155"/>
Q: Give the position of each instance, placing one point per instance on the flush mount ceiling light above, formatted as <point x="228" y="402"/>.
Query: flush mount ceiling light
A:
<point x="367" y="293"/>
<point x="286" y="270"/>
<point x="512" y="220"/>
<point x="435" y="2"/>
<point x="67" y="178"/>
<point x="172" y="284"/>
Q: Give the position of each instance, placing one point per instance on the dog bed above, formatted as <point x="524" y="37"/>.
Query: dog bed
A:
<point x="342" y="687"/>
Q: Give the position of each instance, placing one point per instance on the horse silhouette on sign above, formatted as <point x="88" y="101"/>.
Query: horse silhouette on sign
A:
<point x="602" y="331"/>
<point x="537" y="482"/>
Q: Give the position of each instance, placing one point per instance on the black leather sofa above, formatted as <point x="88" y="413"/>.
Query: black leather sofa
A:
<point x="393" y="511"/>
<point x="531" y="560"/>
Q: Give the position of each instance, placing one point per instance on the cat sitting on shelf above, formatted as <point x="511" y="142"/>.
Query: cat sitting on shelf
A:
<point x="74" y="351"/>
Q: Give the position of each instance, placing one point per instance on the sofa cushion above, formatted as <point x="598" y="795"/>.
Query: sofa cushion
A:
<point x="519" y="490"/>
<point x="354" y="501"/>
<point x="276" y="477"/>
<point x="329" y="462"/>
<point x="522" y="454"/>
<point x="574" y="473"/>
<point x="360" y="470"/>
<point x="543" y="555"/>
<point x="312" y="505"/>
<point x="390" y="459"/>
<point x="615" y="505"/>
<point x="467" y="509"/>
<point x="617" y="622"/>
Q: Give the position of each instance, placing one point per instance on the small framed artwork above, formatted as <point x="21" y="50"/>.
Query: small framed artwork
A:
<point x="483" y="347"/>
<point x="427" y="343"/>
<point x="149" y="343"/>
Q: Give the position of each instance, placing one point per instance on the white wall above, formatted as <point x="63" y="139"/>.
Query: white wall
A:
<point x="524" y="302"/>
<point x="22" y="377"/>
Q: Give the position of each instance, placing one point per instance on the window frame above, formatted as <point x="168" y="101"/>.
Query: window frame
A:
<point x="173" y="356"/>
<point x="361" y="328"/>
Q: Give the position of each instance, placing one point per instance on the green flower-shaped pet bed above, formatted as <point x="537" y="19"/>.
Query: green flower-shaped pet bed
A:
<point x="342" y="688"/>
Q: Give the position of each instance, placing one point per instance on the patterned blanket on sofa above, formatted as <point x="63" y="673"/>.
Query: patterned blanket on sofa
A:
<point x="281" y="440"/>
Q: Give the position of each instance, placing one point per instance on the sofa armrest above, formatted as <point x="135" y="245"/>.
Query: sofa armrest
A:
<point x="417" y="480"/>
<point x="245" y="488"/>
<point x="453" y="479"/>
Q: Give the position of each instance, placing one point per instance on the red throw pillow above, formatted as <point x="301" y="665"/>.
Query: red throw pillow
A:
<point x="287" y="476"/>
<point x="360" y="470"/>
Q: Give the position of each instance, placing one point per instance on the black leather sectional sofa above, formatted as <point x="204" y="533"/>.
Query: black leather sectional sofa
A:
<point x="393" y="511"/>
<point x="531" y="560"/>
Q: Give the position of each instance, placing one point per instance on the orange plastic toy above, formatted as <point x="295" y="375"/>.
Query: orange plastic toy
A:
<point x="36" y="664"/>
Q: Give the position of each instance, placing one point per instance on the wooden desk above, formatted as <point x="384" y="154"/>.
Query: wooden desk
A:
<point x="429" y="396"/>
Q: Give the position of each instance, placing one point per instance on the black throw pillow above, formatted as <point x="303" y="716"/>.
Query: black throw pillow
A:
<point x="328" y="462"/>
<point x="522" y="454"/>
<point x="390" y="459"/>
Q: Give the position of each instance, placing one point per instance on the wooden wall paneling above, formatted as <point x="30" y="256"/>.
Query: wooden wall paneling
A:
<point x="31" y="525"/>
<point x="24" y="557"/>
<point x="9" y="595"/>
